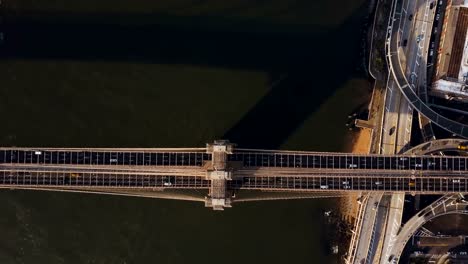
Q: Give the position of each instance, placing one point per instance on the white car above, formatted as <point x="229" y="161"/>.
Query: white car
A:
<point x="167" y="184"/>
<point x="323" y="186"/>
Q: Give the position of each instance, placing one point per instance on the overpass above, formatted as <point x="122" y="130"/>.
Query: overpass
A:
<point x="222" y="170"/>
<point x="394" y="53"/>
<point x="447" y="204"/>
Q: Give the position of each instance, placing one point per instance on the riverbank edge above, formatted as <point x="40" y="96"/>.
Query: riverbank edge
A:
<point x="366" y="141"/>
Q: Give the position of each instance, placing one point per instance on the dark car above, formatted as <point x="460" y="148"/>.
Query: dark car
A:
<point x="410" y="17"/>
<point x="392" y="130"/>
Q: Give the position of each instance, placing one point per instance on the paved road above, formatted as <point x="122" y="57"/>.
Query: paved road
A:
<point x="446" y="205"/>
<point x="396" y="61"/>
<point x="279" y="160"/>
<point x="414" y="39"/>
<point x="366" y="243"/>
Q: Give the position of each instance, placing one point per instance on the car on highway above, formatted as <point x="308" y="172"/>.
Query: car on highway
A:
<point x="419" y="38"/>
<point x="378" y="183"/>
<point x="167" y="183"/>
<point x="351" y="166"/>
<point x="410" y="17"/>
<point x="437" y="16"/>
<point x="456" y="180"/>
<point x="323" y="187"/>
<point x="392" y="130"/>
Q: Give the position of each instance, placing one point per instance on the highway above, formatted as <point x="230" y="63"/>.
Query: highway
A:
<point x="397" y="124"/>
<point x="406" y="28"/>
<point x="396" y="60"/>
<point x="12" y="159"/>
<point x="366" y="242"/>
<point x="447" y="204"/>
<point x="413" y="39"/>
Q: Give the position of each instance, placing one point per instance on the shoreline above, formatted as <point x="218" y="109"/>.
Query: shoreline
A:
<point x="346" y="207"/>
<point x="360" y="144"/>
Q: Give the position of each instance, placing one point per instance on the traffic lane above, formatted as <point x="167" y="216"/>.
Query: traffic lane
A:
<point x="429" y="185"/>
<point x="410" y="95"/>
<point x="393" y="225"/>
<point x="250" y="159"/>
<point x="350" y="161"/>
<point x="442" y="205"/>
<point x="104" y="157"/>
<point x="332" y="161"/>
<point x="101" y="180"/>
<point x="367" y="234"/>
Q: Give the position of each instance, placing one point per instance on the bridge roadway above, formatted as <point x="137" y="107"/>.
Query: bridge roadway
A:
<point x="150" y="158"/>
<point x="251" y="170"/>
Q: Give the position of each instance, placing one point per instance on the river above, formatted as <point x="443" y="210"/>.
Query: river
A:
<point x="265" y="74"/>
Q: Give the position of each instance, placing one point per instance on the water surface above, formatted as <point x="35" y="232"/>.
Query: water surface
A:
<point x="265" y="74"/>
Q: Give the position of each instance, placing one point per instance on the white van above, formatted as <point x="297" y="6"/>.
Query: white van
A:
<point x="323" y="186"/>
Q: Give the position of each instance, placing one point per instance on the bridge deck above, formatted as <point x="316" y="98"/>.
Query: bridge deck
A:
<point x="246" y="159"/>
<point x="262" y="170"/>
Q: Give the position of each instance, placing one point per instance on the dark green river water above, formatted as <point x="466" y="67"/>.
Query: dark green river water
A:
<point x="174" y="73"/>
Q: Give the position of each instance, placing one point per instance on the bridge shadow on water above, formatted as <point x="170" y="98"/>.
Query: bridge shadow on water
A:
<point x="302" y="71"/>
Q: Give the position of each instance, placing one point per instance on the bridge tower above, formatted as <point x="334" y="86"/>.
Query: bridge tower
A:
<point x="219" y="172"/>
